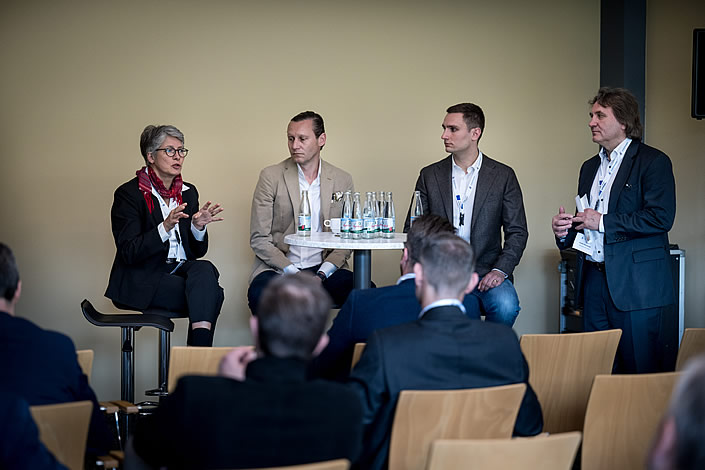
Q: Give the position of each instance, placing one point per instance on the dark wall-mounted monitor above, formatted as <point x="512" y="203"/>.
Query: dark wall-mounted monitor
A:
<point x="698" y="93"/>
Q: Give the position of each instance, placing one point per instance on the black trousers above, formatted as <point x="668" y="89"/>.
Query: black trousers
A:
<point x="639" y="344"/>
<point x="192" y="288"/>
<point x="338" y="286"/>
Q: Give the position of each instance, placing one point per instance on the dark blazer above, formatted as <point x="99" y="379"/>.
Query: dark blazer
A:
<point x="141" y="255"/>
<point x="41" y="367"/>
<point x="641" y="211"/>
<point x="20" y="447"/>
<point x="274" y="418"/>
<point x="443" y="350"/>
<point x="498" y="207"/>
<point x="365" y="311"/>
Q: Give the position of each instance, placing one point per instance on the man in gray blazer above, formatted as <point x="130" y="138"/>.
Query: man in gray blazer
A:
<point x="275" y="206"/>
<point x="483" y="200"/>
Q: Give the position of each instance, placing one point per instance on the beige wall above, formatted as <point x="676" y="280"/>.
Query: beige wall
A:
<point x="669" y="127"/>
<point x="80" y="80"/>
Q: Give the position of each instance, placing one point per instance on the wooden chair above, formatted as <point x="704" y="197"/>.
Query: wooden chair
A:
<point x="561" y="371"/>
<point x="555" y="452"/>
<point x="357" y="352"/>
<point x="693" y="343"/>
<point x="185" y="360"/>
<point x="622" y="416"/>
<point x="422" y="416"/>
<point x="85" y="360"/>
<point x="63" y="429"/>
<point x="339" y="464"/>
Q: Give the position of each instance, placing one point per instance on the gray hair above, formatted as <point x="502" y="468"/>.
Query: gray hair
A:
<point x="447" y="261"/>
<point x="153" y="137"/>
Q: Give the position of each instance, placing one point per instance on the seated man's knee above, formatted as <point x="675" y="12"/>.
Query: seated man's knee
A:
<point x="501" y="304"/>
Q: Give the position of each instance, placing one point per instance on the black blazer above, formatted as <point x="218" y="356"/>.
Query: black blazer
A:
<point x="365" y="311"/>
<point x="498" y="208"/>
<point x="641" y="211"/>
<point x="443" y="350"/>
<point x="41" y="367"/>
<point x="274" y="418"/>
<point x="141" y="255"/>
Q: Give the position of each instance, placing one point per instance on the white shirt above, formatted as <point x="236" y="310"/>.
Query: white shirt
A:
<point x="600" y="193"/>
<point x="302" y="257"/>
<point x="176" y="247"/>
<point x="443" y="303"/>
<point x="464" y="189"/>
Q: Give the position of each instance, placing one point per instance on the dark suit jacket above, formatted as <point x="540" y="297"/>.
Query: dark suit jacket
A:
<point x="20" y="447"/>
<point x="365" y="311"/>
<point x="441" y="351"/>
<point x="498" y="207"/>
<point x="641" y="211"/>
<point x="141" y="255"/>
<point x="41" y="367"/>
<point x="274" y="418"/>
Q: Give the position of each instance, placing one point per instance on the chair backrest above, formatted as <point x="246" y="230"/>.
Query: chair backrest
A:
<point x="422" y="416"/>
<point x="357" y="352"/>
<point x="622" y="416"/>
<point x="693" y="343"/>
<point x="554" y="452"/>
<point x="85" y="360"/>
<point x="561" y="370"/>
<point x="339" y="464"/>
<point x="63" y="429"/>
<point x="186" y="360"/>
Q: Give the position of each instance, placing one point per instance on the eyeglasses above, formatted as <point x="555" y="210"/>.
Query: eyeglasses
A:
<point x="171" y="152"/>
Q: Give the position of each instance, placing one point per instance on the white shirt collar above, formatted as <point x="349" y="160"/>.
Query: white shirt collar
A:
<point x="476" y="165"/>
<point x="443" y="303"/>
<point x="618" y="151"/>
<point x="405" y="277"/>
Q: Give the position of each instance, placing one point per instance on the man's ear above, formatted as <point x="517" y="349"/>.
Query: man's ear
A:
<point x="254" y="328"/>
<point x="322" y="343"/>
<point x="474" y="279"/>
<point x="18" y="292"/>
<point x="662" y="454"/>
<point x="475" y="133"/>
<point x="418" y="272"/>
<point x="322" y="140"/>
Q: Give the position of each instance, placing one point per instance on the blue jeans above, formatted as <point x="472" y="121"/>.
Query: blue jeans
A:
<point x="499" y="304"/>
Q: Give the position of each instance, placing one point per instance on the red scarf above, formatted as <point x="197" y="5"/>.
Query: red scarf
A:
<point x="149" y="178"/>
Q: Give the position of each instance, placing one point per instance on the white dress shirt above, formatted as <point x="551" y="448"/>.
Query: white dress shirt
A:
<point x="600" y="194"/>
<point x="464" y="189"/>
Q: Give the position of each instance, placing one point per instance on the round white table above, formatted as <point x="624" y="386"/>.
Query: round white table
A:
<point x="362" y="250"/>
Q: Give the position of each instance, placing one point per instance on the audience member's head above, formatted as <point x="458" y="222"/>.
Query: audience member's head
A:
<point x="422" y="228"/>
<point x="153" y="137"/>
<point x="10" y="284"/>
<point x="446" y="268"/>
<point x="624" y="106"/>
<point x="679" y="442"/>
<point x="291" y="317"/>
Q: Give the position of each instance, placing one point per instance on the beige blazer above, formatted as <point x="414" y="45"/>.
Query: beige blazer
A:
<point x="274" y="206"/>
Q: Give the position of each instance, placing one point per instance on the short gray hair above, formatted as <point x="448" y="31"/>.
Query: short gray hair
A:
<point x="154" y="136"/>
<point x="447" y="261"/>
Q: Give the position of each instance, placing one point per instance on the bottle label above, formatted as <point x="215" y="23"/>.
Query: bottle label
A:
<point x="369" y="225"/>
<point x="388" y="225"/>
<point x="345" y="225"/>
<point x="304" y="223"/>
<point x="356" y="225"/>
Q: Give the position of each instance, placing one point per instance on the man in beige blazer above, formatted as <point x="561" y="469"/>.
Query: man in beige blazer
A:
<point x="275" y="205"/>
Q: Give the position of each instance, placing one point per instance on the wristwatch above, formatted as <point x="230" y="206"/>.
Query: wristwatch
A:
<point x="322" y="275"/>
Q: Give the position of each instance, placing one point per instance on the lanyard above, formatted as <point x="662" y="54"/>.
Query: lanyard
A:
<point x="461" y="203"/>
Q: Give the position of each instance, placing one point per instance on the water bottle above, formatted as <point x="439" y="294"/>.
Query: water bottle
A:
<point x="380" y="214"/>
<point x="356" y="220"/>
<point x="389" y="217"/>
<point x="375" y="215"/>
<point x="417" y="208"/>
<point x="368" y="217"/>
<point x="303" y="229"/>
<point x="345" y="221"/>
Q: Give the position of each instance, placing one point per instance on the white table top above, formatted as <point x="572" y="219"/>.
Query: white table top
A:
<point x="329" y="240"/>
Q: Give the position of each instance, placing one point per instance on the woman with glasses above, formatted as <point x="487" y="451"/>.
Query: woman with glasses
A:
<point x="160" y="232"/>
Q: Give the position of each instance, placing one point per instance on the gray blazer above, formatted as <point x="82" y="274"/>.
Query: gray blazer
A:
<point x="274" y="206"/>
<point x="498" y="207"/>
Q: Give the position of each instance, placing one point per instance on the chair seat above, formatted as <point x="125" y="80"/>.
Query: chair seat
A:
<point x="153" y="317"/>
